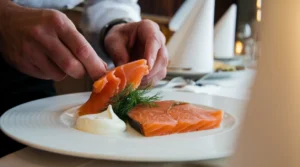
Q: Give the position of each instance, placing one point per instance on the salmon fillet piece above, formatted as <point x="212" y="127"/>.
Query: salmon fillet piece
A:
<point x="170" y="117"/>
<point x="112" y="83"/>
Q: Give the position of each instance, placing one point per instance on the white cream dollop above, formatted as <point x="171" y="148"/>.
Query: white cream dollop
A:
<point x="106" y="122"/>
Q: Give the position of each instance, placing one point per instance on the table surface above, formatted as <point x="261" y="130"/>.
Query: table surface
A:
<point x="30" y="157"/>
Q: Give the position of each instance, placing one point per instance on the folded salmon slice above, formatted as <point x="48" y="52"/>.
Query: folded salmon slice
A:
<point x="112" y="83"/>
<point x="170" y="117"/>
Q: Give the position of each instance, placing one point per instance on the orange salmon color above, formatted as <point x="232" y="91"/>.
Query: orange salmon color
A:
<point x="112" y="83"/>
<point x="170" y="117"/>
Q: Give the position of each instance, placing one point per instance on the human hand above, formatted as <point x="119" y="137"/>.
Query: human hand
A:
<point x="132" y="41"/>
<point x="45" y="44"/>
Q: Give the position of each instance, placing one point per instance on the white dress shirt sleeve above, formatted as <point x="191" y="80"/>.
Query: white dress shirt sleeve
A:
<point x="97" y="13"/>
<point x="52" y="4"/>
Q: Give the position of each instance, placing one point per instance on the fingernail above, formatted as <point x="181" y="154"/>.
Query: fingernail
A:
<point x="105" y="64"/>
<point x="151" y="62"/>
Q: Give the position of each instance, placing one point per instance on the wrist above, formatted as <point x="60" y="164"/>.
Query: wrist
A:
<point x="7" y="8"/>
<point x="9" y="11"/>
<point x="3" y="7"/>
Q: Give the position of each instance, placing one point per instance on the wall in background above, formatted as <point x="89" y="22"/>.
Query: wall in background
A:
<point x="169" y="7"/>
<point x="160" y="7"/>
<point x="246" y="11"/>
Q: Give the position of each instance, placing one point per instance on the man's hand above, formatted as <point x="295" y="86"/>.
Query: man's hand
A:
<point x="45" y="44"/>
<point x="132" y="41"/>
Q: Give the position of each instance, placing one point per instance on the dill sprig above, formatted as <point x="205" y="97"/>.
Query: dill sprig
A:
<point x="129" y="97"/>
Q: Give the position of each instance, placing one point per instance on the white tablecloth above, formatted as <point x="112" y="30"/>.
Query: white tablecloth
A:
<point x="228" y="84"/>
<point x="236" y="85"/>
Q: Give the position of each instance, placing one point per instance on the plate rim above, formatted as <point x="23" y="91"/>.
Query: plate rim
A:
<point x="108" y="157"/>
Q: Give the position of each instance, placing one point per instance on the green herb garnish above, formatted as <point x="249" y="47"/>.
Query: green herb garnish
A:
<point x="128" y="98"/>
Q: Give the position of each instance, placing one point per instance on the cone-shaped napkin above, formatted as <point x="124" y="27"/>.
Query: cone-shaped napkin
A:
<point x="270" y="135"/>
<point x="224" y="34"/>
<point x="181" y="14"/>
<point x="191" y="47"/>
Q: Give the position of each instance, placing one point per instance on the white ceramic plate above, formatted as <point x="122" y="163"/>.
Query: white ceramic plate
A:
<point x="42" y="124"/>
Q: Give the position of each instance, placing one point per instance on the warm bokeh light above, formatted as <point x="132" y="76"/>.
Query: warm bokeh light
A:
<point x="239" y="47"/>
<point x="258" y="4"/>
<point x="258" y="15"/>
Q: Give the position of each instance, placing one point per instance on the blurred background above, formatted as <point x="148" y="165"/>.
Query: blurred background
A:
<point x="161" y="11"/>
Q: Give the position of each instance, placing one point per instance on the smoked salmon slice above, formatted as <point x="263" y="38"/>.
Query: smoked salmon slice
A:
<point x="112" y="83"/>
<point x="170" y="117"/>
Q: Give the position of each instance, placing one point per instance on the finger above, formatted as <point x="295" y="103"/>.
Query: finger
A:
<point x="163" y="38"/>
<point x="160" y="63"/>
<point x="158" y="70"/>
<point x="40" y="60"/>
<point x="46" y="66"/>
<point x="31" y="70"/>
<point x="154" y="79"/>
<point x="63" y="58"/>
<point x="153" y="44"/>
<point x="58" y="53"/>
<point x="30" y="63"/>
<point x="83" y="51"/>
<point x="151" y="36"/>
<point x="116" y="47"/>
